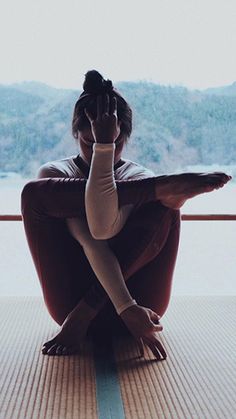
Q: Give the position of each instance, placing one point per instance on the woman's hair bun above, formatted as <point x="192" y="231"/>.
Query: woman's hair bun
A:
<point x="94" y="83"/>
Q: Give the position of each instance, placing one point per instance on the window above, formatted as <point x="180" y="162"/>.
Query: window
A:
<point x="172" y="61"/>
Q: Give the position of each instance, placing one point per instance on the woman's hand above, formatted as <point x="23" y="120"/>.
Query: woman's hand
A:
<point x="143" y="323"/>
<point x="105" y="128"/>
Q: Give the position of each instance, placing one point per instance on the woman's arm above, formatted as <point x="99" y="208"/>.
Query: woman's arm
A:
<point x="105" y="214"/>
<point x="105" y="217"/>
<point x="103" y="262"/>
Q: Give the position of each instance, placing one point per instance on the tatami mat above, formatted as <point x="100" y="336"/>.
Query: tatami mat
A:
<point x="34" y="385"/>
<point x="197" y="380"/>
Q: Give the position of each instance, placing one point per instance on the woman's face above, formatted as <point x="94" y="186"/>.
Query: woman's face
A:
<point x="86" y="141"/>
<point x="86" y="137"/>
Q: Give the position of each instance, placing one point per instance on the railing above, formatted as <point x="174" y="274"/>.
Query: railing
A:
<point x="184" y="217"/>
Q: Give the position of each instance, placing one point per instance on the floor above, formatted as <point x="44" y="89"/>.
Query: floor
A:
<point x="109" y="380"/>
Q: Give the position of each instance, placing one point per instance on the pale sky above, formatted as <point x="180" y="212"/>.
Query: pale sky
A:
<point x="187" y="42"/>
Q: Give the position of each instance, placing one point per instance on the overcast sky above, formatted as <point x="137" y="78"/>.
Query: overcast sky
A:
<point x="187" y="42"/>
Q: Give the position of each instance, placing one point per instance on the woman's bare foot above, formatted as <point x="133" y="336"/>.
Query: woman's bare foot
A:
<point x="174" y="190"/>
<point x="72" y="333"/>
<point x="64" y="343"/>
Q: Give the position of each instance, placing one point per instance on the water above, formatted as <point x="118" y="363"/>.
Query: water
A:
<point x="219" y="201"/>
<point x="206" y="263"/>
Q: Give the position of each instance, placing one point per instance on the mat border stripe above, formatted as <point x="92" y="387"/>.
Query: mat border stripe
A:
<point x="108" y="394"/>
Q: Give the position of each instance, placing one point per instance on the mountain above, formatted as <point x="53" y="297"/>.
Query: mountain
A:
<point x="222" y="91"/>
<point x="16" y="103"/>
<point x="172" y="126"/>
<point x="42" y="90"/>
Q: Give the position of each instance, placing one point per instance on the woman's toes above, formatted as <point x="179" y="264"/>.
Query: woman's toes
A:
<point x="52" y="349"/>
<point x="46" y="346"/>
<point x="207" y="188"/>
<point x="64" y="350"/>
<point x="44" y="350"/>
<point x="59" y="350"/>
<point x="49" y="342"/>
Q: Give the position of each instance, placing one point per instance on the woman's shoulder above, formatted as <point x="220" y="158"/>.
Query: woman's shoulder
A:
<point x="65" y="167"/>
<point x="132" y="170"/>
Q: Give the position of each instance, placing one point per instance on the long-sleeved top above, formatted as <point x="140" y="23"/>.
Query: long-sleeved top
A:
<point x="105" y="218"/>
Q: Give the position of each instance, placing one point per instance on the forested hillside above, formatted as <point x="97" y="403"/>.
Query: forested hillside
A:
<point x="173" y="126"/>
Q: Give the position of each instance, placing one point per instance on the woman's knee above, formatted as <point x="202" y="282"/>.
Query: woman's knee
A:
<point x="29" y="195"/>
<point x="155" y="212"/>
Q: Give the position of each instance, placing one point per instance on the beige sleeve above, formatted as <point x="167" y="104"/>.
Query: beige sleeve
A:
<point x="105" y="218"/>
<point x="104" y="264"/>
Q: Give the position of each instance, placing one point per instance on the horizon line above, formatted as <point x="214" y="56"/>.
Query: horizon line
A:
<point x="148" y="81"/>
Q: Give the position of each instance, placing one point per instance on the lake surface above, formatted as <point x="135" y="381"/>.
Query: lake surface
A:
<point x="219" y="201"/>
<point x="206" y="263"/>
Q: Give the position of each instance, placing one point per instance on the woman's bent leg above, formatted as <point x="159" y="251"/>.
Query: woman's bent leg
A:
<point x="62" y="267"/>
<point x="151" y="285"/>
<point x="147" y="250"/>
<point x="59" y="259"/>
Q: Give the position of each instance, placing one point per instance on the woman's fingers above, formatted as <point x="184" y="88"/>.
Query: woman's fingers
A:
<point x="154" y="316"/>
<point x="158" y="347"/>
<point x="114" y="106"/>
<point x="157" y="327"/>
<point x="103" y="107"/>
<point x="89" y="116"/>
<point x="153" y="343"/>
<point x="106" y="104"/>
<point x="99" y="107"/>
<point x="154" y="351"/>
<point x="161" y="348"/>
<point x="140" y="321"/>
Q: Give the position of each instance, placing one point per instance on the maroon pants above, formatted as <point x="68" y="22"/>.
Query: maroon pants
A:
<point x="146" y="248"/>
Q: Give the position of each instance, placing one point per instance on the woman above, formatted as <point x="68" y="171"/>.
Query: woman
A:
<point x="103" y="222"/>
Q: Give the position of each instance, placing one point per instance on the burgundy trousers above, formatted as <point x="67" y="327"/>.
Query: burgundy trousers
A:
<point x="146" y="249"/>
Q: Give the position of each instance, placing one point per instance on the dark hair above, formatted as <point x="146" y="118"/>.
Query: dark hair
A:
<point x="94" y="84"/>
